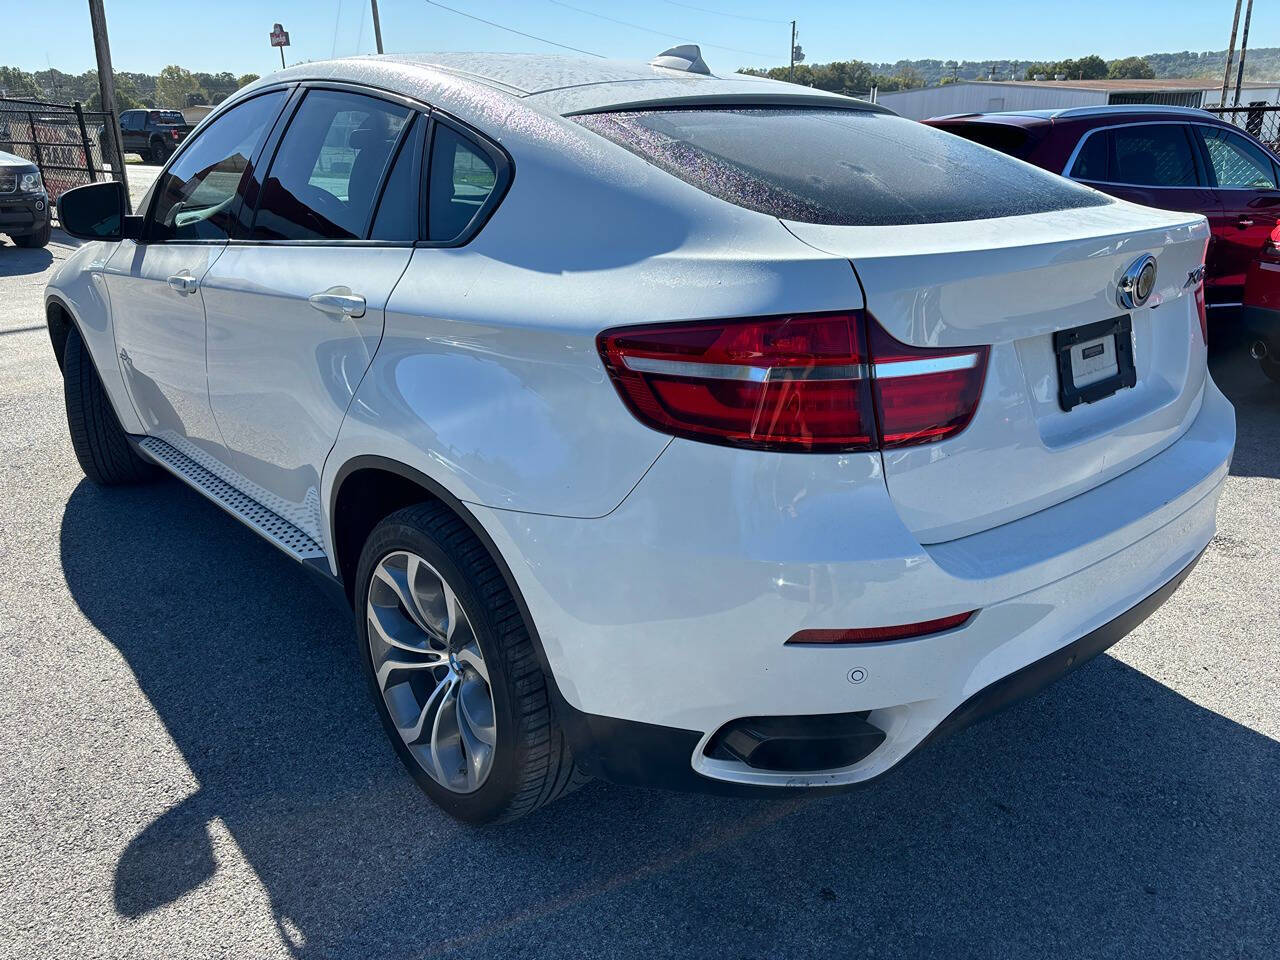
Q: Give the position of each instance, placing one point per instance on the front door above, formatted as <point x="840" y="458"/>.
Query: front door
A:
<point x="295" y="311"/>
<point x="1244" y="179"/>
<point x="154" y="285"/>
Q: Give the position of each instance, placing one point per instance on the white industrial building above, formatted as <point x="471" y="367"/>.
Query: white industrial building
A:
<point x="989" y="96"/>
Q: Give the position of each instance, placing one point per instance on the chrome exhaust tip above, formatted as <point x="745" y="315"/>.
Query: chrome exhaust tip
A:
<point x="1258" y="350"/>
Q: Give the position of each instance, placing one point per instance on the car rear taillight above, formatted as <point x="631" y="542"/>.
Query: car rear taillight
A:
<point x="903" y="631"/>
<point x="924" y="394"/>
<point x="804" y="383"/>
<point x="174" y="134"/>
<point x="1201" y="312"/>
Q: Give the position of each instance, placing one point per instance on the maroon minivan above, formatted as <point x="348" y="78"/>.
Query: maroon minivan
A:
<point x="1176" y="158"/>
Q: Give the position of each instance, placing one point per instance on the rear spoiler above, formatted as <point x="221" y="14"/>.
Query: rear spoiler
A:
<point x="740" y="100"/>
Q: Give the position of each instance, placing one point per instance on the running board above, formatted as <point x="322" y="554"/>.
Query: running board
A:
<point x="266" y="522"/>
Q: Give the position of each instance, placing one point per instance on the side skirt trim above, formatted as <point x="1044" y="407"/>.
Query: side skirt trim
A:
<point x="259" y="518"/>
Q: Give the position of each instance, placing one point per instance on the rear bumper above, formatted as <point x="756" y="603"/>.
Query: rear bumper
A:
<point x="666" y="620"/>
<point x="641" y="754"/>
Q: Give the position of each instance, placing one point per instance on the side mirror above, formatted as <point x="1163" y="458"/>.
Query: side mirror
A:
<point x="98" y="211"/>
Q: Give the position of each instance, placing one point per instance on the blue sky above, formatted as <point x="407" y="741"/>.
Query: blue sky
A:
<point x="231" y="35"/>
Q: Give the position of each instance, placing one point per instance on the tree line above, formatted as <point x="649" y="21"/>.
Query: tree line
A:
<point x="172" y="88"/>
<point x="856" y="77"/>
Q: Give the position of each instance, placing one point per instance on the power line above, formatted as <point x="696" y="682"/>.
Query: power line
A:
<point x="519" y="33"/>
<point x="722" y="13"/>
<point x="658" y="33"/>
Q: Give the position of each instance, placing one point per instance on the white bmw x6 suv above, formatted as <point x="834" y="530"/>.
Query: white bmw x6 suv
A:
<point x="676" y="429"/>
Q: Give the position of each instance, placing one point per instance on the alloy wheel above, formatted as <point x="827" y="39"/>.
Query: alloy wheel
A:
<point x="430" y="671"/>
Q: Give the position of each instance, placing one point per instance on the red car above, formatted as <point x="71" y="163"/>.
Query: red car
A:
<point x="1261" y="313"/>
<point x="1170" y="157"/>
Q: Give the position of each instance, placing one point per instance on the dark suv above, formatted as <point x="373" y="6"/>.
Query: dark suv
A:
<point x="24" y="203"/>
<point x="154" y="134"/>
<point x="1175" y="158"/>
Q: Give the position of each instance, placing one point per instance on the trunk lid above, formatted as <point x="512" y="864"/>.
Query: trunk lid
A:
<point x="1012" y="283"/>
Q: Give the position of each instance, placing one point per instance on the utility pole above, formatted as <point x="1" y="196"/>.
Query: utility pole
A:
<point x="791" y="74"/>
<point x="1231" y="51"/>
<point x="1244" y="45"/>
<point x="107" y="87"/>
<point x="377" y="26"/>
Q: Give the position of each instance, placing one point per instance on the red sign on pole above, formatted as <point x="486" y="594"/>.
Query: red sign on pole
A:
<point x="279" y="36"/>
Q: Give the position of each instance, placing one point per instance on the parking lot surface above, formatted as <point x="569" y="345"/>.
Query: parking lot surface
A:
<point x="190" y="766"/>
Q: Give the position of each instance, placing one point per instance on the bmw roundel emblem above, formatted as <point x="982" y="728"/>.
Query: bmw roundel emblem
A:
<point x="1137" y="282"/>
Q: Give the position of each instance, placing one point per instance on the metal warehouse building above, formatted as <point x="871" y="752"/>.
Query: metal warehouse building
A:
<point x="986" y="96"/>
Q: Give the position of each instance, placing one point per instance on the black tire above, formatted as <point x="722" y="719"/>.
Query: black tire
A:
<point x="1271" y="367"/>
<point x="38" y="239"/>
<point x="158" y="151"/>
<point x="104" y="452"/>
<point x="532" y="764"/>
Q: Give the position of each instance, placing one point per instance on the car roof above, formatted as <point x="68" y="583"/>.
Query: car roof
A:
<point x="1102" y="111"/>
<point x="568" y="84"/>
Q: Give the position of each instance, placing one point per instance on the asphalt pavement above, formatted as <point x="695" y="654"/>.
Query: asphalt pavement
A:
<point x="190" y="766"/>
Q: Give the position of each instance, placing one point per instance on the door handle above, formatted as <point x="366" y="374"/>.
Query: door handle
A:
<point x="184" y="283"/>
<point x="338" y="302"/>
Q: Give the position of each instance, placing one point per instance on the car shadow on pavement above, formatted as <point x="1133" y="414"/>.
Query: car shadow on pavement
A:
<point x="1108" y="816"/>
<point x="18" y="261"/>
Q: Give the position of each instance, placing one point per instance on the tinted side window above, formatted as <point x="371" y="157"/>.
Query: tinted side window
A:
<point x="324" y="179"/>
<point x="197" y="192"/>
<point x="397" y="216"/>
<point x="462" y="178"/>
<point x="1236" y="162"/>
<point x="1091" y="161"/>
<point x="1155" y="155"/>
<point x="836" y="166"/>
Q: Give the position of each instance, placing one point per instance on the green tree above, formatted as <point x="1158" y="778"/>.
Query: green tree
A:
<point x="173" y="86"/>
<point x="1130" y="68"/>
<point x="18" y="83"/>
<point x="126" y="93"/>
<point x="245" y="79"/>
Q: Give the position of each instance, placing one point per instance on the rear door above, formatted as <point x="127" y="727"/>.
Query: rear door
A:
<point x="295" y="308"/>
<point x="1244" y="180"/>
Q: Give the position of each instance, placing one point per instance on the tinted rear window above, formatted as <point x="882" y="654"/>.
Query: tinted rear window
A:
<point x="840" y="167"/>
<point x="1012" y="140"/>
<point x="166" y="116"/>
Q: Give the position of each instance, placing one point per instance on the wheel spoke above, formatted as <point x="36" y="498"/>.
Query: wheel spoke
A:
<point x="396" y="631"/>
<point x="470" y="656"/>
<point x="391" y="665"/>
<point x="476" y="712"/>
<point x="476" y="753"/>
<point x="430" y="711"/>
<point x="446" y="739"/>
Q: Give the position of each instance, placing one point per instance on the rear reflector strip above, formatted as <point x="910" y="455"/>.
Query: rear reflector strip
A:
<point x="905" y="631"/>
<point x="733" y="371"/>
<point x="919" y="368"/>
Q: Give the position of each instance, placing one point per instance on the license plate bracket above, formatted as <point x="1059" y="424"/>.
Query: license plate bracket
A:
<point x="1094" y="361"/>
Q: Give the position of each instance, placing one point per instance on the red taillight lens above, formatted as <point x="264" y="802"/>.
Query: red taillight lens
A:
<point x="905" y="631"/>
<point x="804" y="383"/>
<point x="174" y="134"/>
<point x="924" y="394"/>
<point x="777" y="383"/>
<point x="1201" y="312"/>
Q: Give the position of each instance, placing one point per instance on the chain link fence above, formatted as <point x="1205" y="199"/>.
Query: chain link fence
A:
<point x="71" y="146"/>
<point x="1261" y="120"/>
